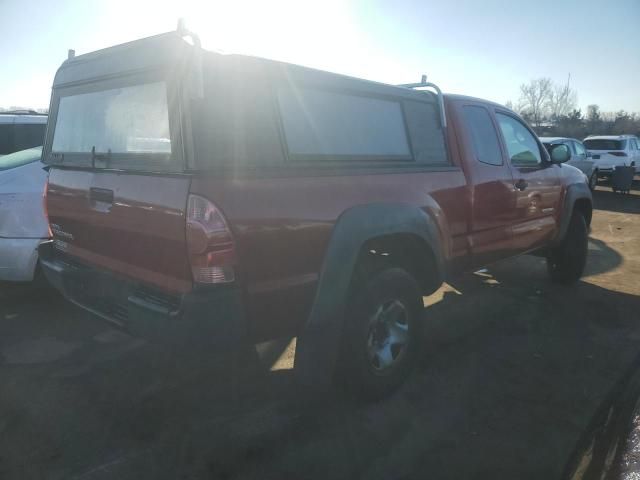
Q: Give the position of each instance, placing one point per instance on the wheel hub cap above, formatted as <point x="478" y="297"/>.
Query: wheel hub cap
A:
<point x="388" y="334"/>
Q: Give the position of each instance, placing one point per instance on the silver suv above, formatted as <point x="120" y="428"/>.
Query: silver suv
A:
<point x="580" y="158"/>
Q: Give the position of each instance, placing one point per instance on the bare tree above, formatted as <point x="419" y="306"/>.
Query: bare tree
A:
<point x="562" y="100"/>
<point x="593" y="113"/>
<point x="594" y="119"/>
<point x="534" y="99"/>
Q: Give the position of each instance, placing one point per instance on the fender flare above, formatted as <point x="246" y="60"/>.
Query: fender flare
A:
<point x="319" y="342"/>
<point x="575" y="192"/>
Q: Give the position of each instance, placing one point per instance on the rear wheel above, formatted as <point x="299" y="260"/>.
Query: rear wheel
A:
<point x="593" y="180"/>
<point x="566" y="262"/>
<point x="382" y="332"/>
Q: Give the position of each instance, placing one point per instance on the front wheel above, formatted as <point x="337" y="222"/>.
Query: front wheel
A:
<point x="380" y="344"/>
<point x="566" y="261"/>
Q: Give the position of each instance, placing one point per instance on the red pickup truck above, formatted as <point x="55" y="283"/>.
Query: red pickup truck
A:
<point x="202" y="198"/>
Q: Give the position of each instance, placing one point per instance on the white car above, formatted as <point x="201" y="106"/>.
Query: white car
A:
<point x="580" y="158"/>
<point x="21" y="129"/>
<point x="610" y="151"/>
<point x="23" y="224"/>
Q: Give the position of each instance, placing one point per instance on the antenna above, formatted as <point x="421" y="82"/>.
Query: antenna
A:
<point x="71" y="53"/>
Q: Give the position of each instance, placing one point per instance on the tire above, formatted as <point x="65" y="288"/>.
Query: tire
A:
<point x="593" y="180"/>
<point x="566" y="262"/>
<point x="382" y="334"/>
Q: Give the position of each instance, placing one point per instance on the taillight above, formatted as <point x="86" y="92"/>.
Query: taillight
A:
<point x="45" y="210"/>
<point x="618" y="154"/>
<point x="210" y="243"/>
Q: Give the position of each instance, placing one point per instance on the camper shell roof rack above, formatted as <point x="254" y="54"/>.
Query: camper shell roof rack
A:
<point x="424" y="84"/>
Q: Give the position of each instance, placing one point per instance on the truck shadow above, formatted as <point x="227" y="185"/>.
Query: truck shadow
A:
<point x="505" y="283"/>
<point x="514" y="367"/>
<point x="601" y="258"/>
<point x="536" y="361"/>
<point x="12" y="293"/>
<point x="605" y="199"/>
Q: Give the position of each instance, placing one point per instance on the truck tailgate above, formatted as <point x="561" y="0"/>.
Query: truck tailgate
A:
<point x="128" y="224"/>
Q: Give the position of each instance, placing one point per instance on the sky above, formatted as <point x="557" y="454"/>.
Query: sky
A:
<point x="483" y="48"/>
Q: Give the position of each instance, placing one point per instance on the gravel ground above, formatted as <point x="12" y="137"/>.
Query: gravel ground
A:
<point x="514" y="368"/>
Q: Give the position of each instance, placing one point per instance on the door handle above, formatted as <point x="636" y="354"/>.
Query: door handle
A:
<point x="521" y="184"/>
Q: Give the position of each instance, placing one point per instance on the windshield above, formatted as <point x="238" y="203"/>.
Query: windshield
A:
<point x="130" y="119"/>
<point x="605" y="144"/>
<point x="18" y="159"/>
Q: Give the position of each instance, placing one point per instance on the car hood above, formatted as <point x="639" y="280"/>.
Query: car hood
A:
<point x="31" y="175"/>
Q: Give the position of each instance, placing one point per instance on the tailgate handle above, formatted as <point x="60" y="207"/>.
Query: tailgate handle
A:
<point x="101" y="195"/>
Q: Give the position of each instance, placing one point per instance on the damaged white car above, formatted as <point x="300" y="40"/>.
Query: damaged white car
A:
<point x="23" y="224"/>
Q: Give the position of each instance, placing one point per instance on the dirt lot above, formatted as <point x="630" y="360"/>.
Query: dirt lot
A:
<point x="514" y="368"/>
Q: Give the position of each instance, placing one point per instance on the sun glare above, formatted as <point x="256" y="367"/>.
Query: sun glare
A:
<point x="293" y="31"/>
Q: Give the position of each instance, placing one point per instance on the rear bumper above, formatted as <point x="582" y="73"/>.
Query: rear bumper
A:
<point x="18" y="258"/>
<point x="608" y="172"/>
<point x="606" y="167"/>
<point x="206" y="317"/>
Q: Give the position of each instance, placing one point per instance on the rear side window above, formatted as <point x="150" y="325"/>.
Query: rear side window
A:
<point x="20" y="136"/>
<point x="6" y="138"/>
<point x="336" y="126"/>
<point x="483" y="135"/>
<point x="28" y="135"/>
<point x="579" y="149"/>
<point x="605" y="144"/>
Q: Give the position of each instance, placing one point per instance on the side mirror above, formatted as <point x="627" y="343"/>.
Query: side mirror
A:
<point x="560" y="153"/>
<point x="589" y="155"/>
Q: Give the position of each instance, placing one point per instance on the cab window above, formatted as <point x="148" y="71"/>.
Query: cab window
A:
<point x="521" y="145"/>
